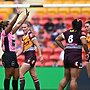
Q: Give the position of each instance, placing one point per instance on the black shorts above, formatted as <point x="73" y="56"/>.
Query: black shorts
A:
<point x="9" y="59"/>
<point x="73" y="60"/>
<point x="30" y="57"/>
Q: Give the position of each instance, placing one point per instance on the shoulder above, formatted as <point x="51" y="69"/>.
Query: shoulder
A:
<point x="31" y="35"/>
<point x="3" y="33"/>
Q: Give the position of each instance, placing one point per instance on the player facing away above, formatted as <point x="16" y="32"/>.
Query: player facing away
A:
<point x="29" y="41"/>
<point x="75" y="39"/>
<point x="87" y="27"/>
<point x="9" y="58"/>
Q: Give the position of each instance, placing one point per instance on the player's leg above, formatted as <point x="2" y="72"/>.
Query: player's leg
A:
<point x="65" y="80"/>
<point x="34" y="77"/>
<point x="8" y="74"/>
<point x="24" y="68"/>
<point x="15" y="79"/>
<point x="75" y="72"/>
<point x="88" y="68"/>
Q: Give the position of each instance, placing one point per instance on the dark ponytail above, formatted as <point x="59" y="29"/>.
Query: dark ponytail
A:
<point x="3" y="24"/>
<point x="77" y="26"/>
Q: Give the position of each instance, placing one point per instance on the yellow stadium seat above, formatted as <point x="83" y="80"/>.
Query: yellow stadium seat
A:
<point x="9" y="2"/>
<point x="58" y="2"/>
<point x="47" y="2"/>
<point x="5" y="12"/>
<point x="52" y="11"/>
<point x="68" y="1"/>
<point x="80" y="1"/>
<point x="41" y="11"/>
<point x="10" y="10"/>
<point x="63" y="11"/>
<point x="85" y="11"/>
<point x="75" y="11"/>
<point x="88" y="1"/>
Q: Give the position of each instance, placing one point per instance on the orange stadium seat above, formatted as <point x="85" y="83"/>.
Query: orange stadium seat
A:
<point x="20" y="59"/>
<point x="1" y="17"/>
<point x="82" y="17"/>
<point x="68" y="24"/>
<point x="60" y="63"/>
<point x="57" y="51"/>
<point x="49" y="63"/>
<point x="54" y="57"/>
<point x="38" y="63"/>
<point x="75" y="11"/>
<point x="47" y="51"/>
<point x="69" y="17"/>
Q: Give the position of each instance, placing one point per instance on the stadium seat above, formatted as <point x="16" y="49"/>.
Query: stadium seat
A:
<point x="75" y="11"/>
<point x="68" y="24"/>
<point x="20" y="59"/>
<point x="47" y="51"/>
<point x="80" y="1"/>
<point x="85" y="11"/>
<point x="82" y="17"/>
<point x="52" y="11"/>
<point x="68" y="1"/>
<point x="58" y="2"/>
<point x="64" y="11"/>
<point x="60" y="63"/>
<point x="54" y="57"/>
<point x="41" y="11"/>
<point x="69" y="17"/>
<point x="38" y="63"/>
<point x="57" y="51"/>
<point x="49" y="63"/>
<point x="1" y="17"/>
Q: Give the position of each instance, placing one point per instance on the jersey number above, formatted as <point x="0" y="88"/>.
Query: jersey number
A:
<point x="70" y="39"/>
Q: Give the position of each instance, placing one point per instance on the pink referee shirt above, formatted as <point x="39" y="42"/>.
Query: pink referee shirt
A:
<point x="11" y="41"/>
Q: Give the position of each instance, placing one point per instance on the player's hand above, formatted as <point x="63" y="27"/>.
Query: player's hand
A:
<point x="18" y="11"/>
<point x="27" y="12"/>
<point x="41" y="59"/>
<point x="87" y="56"/>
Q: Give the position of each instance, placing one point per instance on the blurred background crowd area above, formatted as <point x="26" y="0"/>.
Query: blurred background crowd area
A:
<point x="47" y="24"/>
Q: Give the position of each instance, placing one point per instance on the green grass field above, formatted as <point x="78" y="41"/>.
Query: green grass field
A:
<point x="49" y="78"/>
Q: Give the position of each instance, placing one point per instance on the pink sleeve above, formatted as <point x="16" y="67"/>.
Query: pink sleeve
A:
<point x="3" y="33"/>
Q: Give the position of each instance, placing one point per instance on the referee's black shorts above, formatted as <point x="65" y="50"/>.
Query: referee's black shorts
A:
<point x="9" y="59"/>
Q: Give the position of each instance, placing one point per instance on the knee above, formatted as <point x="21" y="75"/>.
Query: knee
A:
<point x="34" y="77"/>
<point x="16" y="77"/>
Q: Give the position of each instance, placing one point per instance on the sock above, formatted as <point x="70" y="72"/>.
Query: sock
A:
<point x="37" y="85"/>
<point x="22" y="83"/>
<point x="15" y="84"/>
<point x="6" y="84"/>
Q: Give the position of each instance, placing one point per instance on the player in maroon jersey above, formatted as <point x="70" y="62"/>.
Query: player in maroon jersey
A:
<point x="75" y="39"/>
<point x="29" y="41"/>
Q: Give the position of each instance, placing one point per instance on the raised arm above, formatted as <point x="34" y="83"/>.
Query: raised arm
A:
<point x="11" y="24"/>
<point x="20" y="22"/>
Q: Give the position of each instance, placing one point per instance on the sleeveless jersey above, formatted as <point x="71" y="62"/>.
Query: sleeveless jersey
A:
<point x="27" y="42"/>
<point x="8" y="41"/>
<point x="73" y="41"/>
